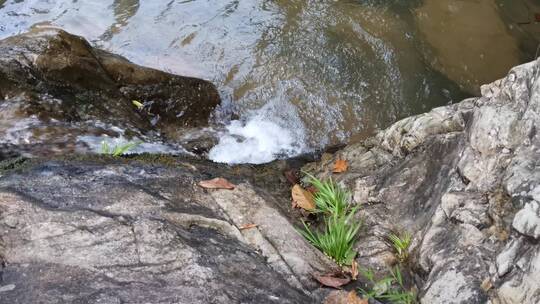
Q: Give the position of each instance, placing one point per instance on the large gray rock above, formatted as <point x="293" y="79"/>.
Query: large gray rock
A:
<point x="465" y="180"/>
<point x="114" y="232"/>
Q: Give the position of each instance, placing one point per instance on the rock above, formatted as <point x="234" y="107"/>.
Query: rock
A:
<point x="466" y="208"/>
<point x="450" y="288"/>
<point x="136" y="232"/>
<point x="5" y="288"/>
<point x="506" y="259"/>
<point x="58" y="92"/>
<point x="465" y="181"/>
<point x="527" y="220"/>
<point x="522" y="287"/>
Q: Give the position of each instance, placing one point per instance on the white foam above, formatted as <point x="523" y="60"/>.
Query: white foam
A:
<point x="264" y="137"/>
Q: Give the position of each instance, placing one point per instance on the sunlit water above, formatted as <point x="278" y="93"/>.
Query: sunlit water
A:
<point x="299" y="75"/>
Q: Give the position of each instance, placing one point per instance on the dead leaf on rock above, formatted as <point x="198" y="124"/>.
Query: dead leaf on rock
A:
<point x="486" y="284"/>
<point x="302" y="198"/>
<point x="247" y="226"/>
<point x="354" y="270"/>
<point x="344" y="297"/>
<point x="331" y="280"/>
<point x="217" y="183"/>
<point x="340" y="166"/>
<point x="352" y="298"/>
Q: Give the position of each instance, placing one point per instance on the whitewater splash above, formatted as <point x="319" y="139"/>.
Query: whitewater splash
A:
<point x="272" y="132"/>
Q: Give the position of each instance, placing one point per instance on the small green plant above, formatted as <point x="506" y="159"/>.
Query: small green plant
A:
<point x="338" y="237"/>
<point x="390" y="288"/>
<point x="329" y="198"/>
<point x="117" y="150"/>
<point x="401" y="245"/>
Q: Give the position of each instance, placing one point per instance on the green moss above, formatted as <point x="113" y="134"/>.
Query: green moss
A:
<point x="154" y="159"/>
<point x="14" y="164"/>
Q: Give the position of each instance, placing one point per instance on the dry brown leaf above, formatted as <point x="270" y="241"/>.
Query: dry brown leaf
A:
<point x="247" y="226"/>
<point x="486" y="284"/>
<point x="331" y="280"/>
<point x="302" y="198"/>
<point x="344" y="297"/>
<point x="354" y="270"/>
<point x="217" y="183"/>
<point x="340" y="166"/>
<point x="352" y="298"/>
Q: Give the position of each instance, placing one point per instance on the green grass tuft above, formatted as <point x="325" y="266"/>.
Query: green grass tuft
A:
<point x="390" y="288"/>
<point x="338" y="237"/>
<point x="117" y="150"/>
<point x="330" y="198"/>
<point x="401" y="245"/>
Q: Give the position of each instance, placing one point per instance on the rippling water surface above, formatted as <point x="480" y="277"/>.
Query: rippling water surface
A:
<point x="298" y="75"/>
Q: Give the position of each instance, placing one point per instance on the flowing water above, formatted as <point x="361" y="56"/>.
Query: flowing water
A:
<point x="299" y="75"/>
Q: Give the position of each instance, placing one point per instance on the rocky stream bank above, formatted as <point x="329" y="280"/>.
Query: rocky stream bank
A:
<point x="463" y="179"/>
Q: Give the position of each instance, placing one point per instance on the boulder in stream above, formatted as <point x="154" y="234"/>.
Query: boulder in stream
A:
<point x="58" y="93"/>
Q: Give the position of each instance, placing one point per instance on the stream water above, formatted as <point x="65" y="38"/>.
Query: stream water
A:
<point x="299" y="75"/>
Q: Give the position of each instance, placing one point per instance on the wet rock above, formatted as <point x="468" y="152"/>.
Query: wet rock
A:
<point x="86" y="231"/>
<point x="56" y="90"/>
<point x="464" y="180"/>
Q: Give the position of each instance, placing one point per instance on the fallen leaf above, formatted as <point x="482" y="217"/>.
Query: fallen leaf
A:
<point x="344" y="297"/>
<point x="302" y="198"/>
<point x="217" y="183"/>
<point x="331" y="280"/>
<point x="336" y="297"/>
<point x="291" y="176"/>
<point x="352" y="298"/>
<point x="138" y="104"/>
<point x="247" y="226"/>
<point x="486" y="284"/>
<point x="354" y="270"/>
<point x="340" y="166"/>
